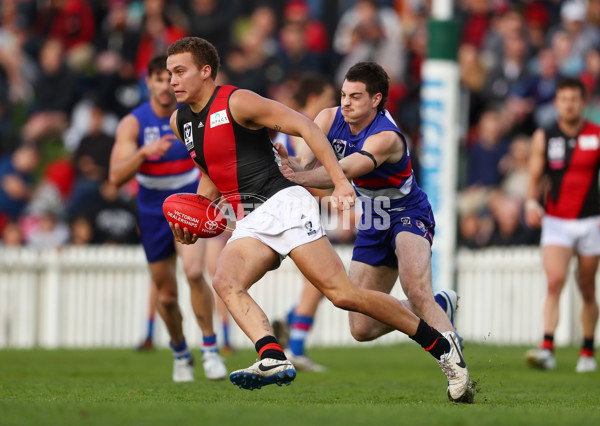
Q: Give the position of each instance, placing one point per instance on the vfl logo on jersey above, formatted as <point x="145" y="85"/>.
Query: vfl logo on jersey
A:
<point x="339" y="147"/>
<point x="188" y="137"/>
<point x="588" y="142"/>
<point x="556" y="152"/>
<point x="151" y="134"/>
<point x="218" y="118"/>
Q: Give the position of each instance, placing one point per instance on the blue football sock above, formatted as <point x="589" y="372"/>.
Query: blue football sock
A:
<point x="299" y="329"/>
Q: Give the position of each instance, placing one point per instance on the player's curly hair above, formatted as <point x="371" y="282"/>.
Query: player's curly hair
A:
<point x="375" y="78"/>
<point x="203" y="52"/>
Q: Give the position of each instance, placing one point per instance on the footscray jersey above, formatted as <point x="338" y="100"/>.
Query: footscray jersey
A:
<point x="241" y="162"/>
<point x="393" y="181"/>
<point x="573" y="164"/>
<point x="160" y="176"/>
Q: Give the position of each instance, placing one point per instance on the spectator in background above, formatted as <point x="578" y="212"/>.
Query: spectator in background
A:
<point x="48" y="231"/>
<point x="72" y="23"/>
<point x="369" y="32"/>
<point x="11" y="235"/>
<point x="472" y="77"/>
<point x="211" y="19"/>
<point x="570" y="63"/>
<point x="113" y="219"/>
<point x="475" y="21"/>
<point x="510" y="71"/>
<point x="483" y="169"/>
<point x="293" y="54"/>
<point x="316" y="38"/>
<point x="530" y="102"/>
<point x="81" y="231"/>
<point x="91" y="161"/>
<point x="158" y="31"/>
<point x="55" y="95"/>
<point x="584" y="36"/>
<point x="16" y="180"/>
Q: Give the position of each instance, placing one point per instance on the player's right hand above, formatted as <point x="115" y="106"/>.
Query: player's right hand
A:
<point x="182" y="235"/>
<point x="534" y="213"/>
<point x="343" y="196"/>
<point x="159" y="147"/>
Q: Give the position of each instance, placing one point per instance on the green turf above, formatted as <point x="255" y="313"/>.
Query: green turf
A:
<point x="364" y="386"/>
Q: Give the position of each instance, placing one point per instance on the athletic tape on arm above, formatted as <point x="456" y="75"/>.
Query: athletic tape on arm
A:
<point x="368" y="154"/>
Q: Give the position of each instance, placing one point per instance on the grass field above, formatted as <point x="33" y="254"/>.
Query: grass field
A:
<point x="364" y="386"/>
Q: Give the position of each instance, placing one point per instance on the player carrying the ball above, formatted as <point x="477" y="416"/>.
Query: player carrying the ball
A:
<point x="144" y="148"/>
<point x="225" y="132"/>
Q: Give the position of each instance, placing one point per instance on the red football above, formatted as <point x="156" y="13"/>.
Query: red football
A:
<point x="196" y="213"/>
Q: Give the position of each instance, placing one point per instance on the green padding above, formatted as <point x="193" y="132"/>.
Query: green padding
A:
<point x="443" y="39"/>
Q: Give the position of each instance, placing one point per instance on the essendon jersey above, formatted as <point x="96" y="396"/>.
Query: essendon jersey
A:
<point x="573" y="163"/>
<point x="241" y="162"/>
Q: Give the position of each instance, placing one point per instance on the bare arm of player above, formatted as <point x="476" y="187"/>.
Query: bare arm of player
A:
<point x="382" y="146"/>
<point x="206" y="188"/>
<point x="537" y="161"/>
<point x="254" y="111"/>
<point x="126" y="158"/>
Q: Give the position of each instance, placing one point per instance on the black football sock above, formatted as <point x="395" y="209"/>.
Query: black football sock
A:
<point x="587" y="348"/>
<point x="548" y="342"/>
<point x="267" y="347"/>
<point x="431" y="340"/>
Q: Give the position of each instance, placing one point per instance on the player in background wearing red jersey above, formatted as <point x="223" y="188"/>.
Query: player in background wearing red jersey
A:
<point x="565" y="161"/>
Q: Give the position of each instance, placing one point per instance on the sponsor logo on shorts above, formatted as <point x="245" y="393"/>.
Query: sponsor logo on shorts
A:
<point x="405" y="221"/>
<point x="421" y="226"/>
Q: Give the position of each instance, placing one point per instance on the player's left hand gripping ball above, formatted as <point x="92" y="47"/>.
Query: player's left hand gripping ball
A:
<point x="196" y="213"/>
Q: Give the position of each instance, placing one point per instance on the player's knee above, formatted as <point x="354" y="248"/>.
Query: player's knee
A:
<point x="167" y="298"/>
<point x="223" y="283"/>
<point x="360" y="332"/>
<point x="555" y="285"/>
<point x="194" y="272"/>
<point x="418" y="298"/>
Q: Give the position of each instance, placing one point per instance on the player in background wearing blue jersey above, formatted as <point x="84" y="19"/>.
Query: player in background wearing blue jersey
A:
<point x="397" y="225"/>
<point x="144" y="148"/>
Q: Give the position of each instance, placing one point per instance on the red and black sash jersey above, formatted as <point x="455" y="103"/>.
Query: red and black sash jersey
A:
<point x="241" y="162"/>
<point x="573" y="163"/>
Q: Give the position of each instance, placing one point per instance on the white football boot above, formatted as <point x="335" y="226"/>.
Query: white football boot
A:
<point x="264" y="372"/>
<point x="183" y="370"/>
<point x="454" y="367"/>
<point x="586" y="364"/>
<point x="214" y="367"/>
<point x="540" y="358"/>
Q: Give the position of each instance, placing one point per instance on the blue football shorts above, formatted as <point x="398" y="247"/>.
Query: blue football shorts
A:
<point x="376" y="245"/>
<point x="157" y="238"/>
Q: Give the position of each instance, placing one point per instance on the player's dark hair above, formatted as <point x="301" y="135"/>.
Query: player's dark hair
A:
<point x="571" y="83"/>
<point x="157" y="64"/>
<point x="375" y="78"/>
<point x="310" y="84"/>
<point x="203" y="52"/>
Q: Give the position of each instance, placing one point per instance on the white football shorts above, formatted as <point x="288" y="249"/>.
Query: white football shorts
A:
<point x="287" y="220"/>
<point x="583" y="235"/>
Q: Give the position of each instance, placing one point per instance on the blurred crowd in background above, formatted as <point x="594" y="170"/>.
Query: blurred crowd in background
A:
<point x="71" y="69"/>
